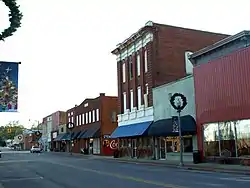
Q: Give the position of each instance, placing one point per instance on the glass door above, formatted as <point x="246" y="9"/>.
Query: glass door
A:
<point x="134" y="148"/>
<point x="162" y="148"/>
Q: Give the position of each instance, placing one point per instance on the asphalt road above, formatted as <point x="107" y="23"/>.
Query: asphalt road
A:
<point x="26" y="170"/>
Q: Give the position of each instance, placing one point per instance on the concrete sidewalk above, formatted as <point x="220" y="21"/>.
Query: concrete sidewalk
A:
<point x="213" y="167"/>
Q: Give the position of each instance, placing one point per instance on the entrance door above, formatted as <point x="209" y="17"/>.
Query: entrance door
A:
<point x="134" y="148"/>
<point x="162" y="148"/>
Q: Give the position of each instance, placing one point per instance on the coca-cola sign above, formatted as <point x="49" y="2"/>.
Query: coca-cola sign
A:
<point x="113" y="144"/>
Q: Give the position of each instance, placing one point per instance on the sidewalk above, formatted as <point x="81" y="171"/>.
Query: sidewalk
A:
<point x="213" y="167"/>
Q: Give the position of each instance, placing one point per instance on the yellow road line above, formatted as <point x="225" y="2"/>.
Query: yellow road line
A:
<point x="122" y="176"/>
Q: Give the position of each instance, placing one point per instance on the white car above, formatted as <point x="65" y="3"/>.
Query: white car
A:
<point x="35" y="149"/>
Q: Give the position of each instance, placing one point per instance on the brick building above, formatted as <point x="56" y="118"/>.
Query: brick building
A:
<point x="153" y="56"/>
<point x="95" y="119"/>
<point x="50" y="124"/>
<point x="30" y="138"/>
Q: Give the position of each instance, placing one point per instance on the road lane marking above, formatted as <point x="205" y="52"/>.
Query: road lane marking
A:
<point x="240" y="179"/>
<point x="22" y="179"/>
<point x="124" y="177"/>
<point x="16" y="161"/>
<point x="210" y="184"/>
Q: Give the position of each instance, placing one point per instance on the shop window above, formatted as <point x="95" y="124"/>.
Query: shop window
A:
<point x="231" y="137"/>
<point x="188" y="144"/>
<point x="113" y="117"/>
<point x="211" y="140"/>
<point x="173" y="144"/>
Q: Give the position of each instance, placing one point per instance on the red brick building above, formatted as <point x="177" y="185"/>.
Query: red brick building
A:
<point x="95" y="119"/>
<point x="153" y="56"/>
<point x="30" y="138"/>
<point x="222" y="88"/>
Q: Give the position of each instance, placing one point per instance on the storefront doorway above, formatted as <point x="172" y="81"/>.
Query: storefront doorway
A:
<point x="134" y="148"/>
<point x="163" y="148"/>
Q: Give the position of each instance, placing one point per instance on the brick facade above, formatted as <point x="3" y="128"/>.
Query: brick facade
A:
<point x="165" y="57"/>
<point x="107" y="106"/>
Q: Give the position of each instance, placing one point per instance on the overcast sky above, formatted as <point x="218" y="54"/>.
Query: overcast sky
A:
<point x="64" y="45"/>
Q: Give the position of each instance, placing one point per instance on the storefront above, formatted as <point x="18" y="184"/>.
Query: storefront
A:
<point x="167" y="141"/>
<point x="221" y="77"/>
<point x="88" y="140"/>
<point x="165" y="129"/>
<point x="232" y="137"/>
<point x="134" y="141"/>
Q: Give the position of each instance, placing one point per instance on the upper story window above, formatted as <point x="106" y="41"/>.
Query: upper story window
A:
<point x="72" y="119"/>
<point x="130" y="68"/>
<point x="72" y="113"/>
<point x="113" y="117"/>
<point x="97" y="114"/>
<point x="69" y="119"/>
<point x="131" y="99"/>
<point x="80" y="119"/>
<point x="86" y="118"/>
<point x="139" y="96"/>
<point x="77" y="123"/>
<point x="146" y="61"/>
<point x="124" y="102"/>
<point x="93" y="115"/>
<point x="90" y="117"/>
<point x="123" y="72"/>
<point x="146" y="88"/>
<point x="138" y="61"/>
<point x="83" y="119"/>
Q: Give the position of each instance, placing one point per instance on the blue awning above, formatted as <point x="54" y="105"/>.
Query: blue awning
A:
<point x="76" y="134"/>
<point x="66" y="137"/>
<point x="82" y="133"/>
<point x="138" y="129"/>
<point x="169" y="127"/>
<point x="92" y="132"/>
<point x="59" y="137"/>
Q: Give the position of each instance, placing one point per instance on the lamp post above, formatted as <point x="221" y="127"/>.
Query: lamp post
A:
<point x="70" y="126"/>
<point x="179" y="102"/>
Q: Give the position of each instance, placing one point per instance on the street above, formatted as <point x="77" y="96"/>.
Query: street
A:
<point x="24" y="170"/>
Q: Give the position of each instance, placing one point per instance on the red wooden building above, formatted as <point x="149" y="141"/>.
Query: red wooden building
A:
<point x="222" y="88"/>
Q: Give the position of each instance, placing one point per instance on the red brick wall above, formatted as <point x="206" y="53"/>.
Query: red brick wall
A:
<point x="106" y="105"/>
<point x="166" y="60"/>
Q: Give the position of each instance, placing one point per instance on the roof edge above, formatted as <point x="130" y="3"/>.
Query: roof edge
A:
<point x="219" y="44"/>
<point x="132" y="37"/>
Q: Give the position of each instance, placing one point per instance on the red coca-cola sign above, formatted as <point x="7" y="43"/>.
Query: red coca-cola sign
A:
<point x="109" y="145"/>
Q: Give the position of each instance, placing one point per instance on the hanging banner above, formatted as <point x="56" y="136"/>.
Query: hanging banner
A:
<point x="8" y="86"/>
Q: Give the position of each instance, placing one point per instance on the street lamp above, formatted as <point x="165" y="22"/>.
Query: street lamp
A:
<point x="179" y="102"/>
<point x="70" y="126"/>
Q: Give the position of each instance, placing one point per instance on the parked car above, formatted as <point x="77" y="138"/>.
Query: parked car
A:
<point x="35" y="149"/>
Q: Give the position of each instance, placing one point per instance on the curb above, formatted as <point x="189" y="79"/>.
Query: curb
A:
<point x="220" y="170"/>
<point x="188" y="167"/>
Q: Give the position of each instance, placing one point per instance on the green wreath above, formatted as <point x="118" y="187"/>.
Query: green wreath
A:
<point x="184" y="102"/>
<point x="15" y="17"/>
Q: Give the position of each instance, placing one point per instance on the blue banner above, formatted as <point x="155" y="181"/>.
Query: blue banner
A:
<point x="8" y="86"/>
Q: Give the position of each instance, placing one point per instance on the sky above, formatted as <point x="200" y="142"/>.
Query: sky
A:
<point x="65" y="45"/>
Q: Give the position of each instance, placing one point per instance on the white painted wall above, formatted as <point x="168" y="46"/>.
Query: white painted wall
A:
<point x="161" y="94"/>
<point x="162" y="106"/>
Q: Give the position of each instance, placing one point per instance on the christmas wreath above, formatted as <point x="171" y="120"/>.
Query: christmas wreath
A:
<point x="180" y="107"/>
<point x="15" y="17"/>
